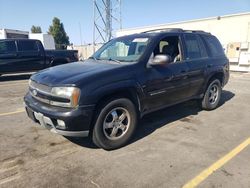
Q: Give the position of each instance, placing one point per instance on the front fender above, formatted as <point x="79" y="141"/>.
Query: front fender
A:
<point x="108" y="89"/>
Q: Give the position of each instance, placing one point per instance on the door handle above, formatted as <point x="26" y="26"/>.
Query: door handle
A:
<point x="183" y="74"/>
<point x="183" y="71"/>
<point x="209" y="65"/>
<point x="168" y="78"/>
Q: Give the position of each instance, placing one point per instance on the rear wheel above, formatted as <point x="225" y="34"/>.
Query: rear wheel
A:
<point x="212" y="95"/>
<point x="115" y="124"/>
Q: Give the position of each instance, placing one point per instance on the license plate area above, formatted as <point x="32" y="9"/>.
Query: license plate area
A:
<point x="40" y="118"/>
<point x="43" y="120"/>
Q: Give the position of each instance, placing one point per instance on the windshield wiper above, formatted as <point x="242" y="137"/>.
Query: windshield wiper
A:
<point x="92" y="58"/>
<point x="115" y="60"/>
<point x="110" y="59"/>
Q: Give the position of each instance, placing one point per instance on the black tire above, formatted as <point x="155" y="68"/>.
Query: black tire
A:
<point x="94" y="140"/>
<point x="115" y="124"/>
<point x="212" y="95"/>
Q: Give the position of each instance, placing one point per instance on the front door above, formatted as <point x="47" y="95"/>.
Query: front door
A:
<point x="166" y="85"/>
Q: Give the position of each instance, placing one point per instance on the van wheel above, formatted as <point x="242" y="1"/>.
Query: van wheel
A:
<point x="115" y="124"/>
<point x="212" y="95"/>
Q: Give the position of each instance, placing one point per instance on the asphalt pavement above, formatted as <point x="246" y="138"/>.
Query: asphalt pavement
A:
<point x="180" y="146"/>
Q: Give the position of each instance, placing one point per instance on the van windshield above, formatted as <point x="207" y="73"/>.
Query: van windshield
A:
<point x="125" y="49"/>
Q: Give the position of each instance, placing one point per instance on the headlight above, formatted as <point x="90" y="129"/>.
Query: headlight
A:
<point x="70" y="93"/>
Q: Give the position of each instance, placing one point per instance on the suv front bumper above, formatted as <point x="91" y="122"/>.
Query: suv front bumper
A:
<point x="63" y="121"/>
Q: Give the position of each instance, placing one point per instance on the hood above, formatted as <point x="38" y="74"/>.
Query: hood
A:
<point x="72" y="73"/>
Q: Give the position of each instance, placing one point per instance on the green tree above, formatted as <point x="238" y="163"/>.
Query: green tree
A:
<point x="60" y="36"/>
<point x="36" y="29"/>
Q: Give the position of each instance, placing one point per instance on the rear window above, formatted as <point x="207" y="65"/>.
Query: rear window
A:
<point x="27" y="46"/>
<point x="213" y="45"/>
<point x="7" y="47"/>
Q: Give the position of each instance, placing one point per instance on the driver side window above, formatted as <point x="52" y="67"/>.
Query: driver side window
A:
<point x="169" y="46"/>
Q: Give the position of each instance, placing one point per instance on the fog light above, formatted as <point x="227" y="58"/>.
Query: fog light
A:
<point x="60" y="123"/>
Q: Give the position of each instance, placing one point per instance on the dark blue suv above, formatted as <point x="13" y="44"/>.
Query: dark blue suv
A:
<point x="128" y="77"/>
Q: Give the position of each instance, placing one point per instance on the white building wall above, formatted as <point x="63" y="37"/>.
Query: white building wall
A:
<point x="230" y="29"/>
<point x="85" y="51"/>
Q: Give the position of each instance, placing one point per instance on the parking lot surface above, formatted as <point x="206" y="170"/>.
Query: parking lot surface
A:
<point x="175" y="147"/>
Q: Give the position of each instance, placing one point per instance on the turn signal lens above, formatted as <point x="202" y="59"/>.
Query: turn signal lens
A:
<point x="75" y="97"/>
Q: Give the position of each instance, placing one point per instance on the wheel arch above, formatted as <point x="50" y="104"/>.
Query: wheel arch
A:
<point x="216" y="75"/>
<point x="125" y="92"/>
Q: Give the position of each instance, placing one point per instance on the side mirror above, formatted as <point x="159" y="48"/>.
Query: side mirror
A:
<point x="161" y="60"/>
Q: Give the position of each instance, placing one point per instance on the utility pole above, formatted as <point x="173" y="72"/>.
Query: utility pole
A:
<point x="80" y="30"/>
<point x="106" y="20"/>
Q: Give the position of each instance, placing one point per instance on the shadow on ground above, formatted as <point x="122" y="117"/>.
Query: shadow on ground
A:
<point x="8" y="78"/>
<point x="156" y="120"/>
<point x="151" y="122"/>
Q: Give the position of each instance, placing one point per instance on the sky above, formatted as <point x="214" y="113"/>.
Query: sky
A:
<point x="76" y="14"/>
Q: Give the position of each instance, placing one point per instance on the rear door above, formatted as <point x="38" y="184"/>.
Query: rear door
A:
<point x="196" y="58"/>
<point x="30" y="55"/>
<point x="8" y="56"/>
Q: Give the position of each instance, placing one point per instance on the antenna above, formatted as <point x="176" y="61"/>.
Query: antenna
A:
<point x="107" y="19"/>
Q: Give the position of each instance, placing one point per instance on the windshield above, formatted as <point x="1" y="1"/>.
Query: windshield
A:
<point x="125" y="49"/>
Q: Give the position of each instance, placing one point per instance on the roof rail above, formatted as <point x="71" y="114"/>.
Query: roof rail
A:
<point x="165" y="29"/>
<point x="196" y="31"/>
<point x="179" y="30"/>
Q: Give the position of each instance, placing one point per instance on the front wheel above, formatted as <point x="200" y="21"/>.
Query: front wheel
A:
<point x="212" y="95"/>
<point x="115" y="124"/>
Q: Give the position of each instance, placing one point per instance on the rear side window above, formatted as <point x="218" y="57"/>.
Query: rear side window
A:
<point x="213" y="45"/>
<point x="203" y="49"/>
<point x="7" y="47"/>
<point x="27" y="46"/>
<point x="192" y="46"/>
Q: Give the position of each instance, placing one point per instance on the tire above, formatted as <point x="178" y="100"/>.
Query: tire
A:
<point x="94" y="140"/>
<point x="212" y="95"/>
<point x="115" y="124"/>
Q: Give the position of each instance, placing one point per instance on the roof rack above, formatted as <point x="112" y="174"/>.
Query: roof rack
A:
<point x="164" y="30"/>
<point x="179" y="30"/>
<point x="196" y="31"/>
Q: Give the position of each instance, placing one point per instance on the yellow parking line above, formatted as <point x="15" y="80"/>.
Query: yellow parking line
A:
<point x="204" y="174"/>
<point x="11" y="113"/>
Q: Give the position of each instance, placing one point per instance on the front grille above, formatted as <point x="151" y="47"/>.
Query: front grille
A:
<point x="43" y="94"/>
<point x="39" y="98"/>
<point x="40" y="87"/>
<point x="40" y="91"/>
